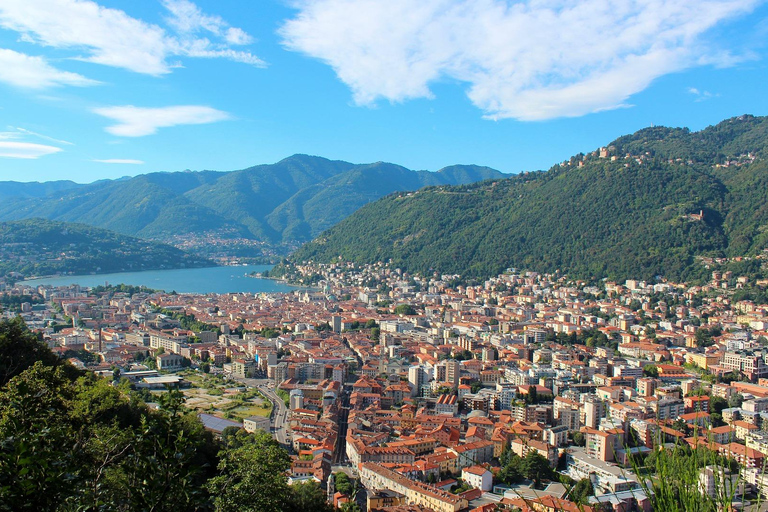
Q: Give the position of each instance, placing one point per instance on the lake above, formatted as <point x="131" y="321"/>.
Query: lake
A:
<point x="185" y="280"/>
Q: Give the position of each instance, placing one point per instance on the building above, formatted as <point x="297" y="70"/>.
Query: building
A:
<point x="243" y="368"/>
<point x="478" y="477"/>
<point x="750" y="362"/>
<point x="296" y="399"/>
<point x="169" y="362"/>
<point x="601" y="445"/>
<point x="376" y="477"/>
<point x="522" y="446"/>
<point x="254" y="423"/>
<point x="447" y="404"/>
<point x="717" y="481"/>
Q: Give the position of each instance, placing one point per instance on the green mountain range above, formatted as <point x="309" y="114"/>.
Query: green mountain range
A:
<point x="37" y="247"/>
<point x="290" y="201"/>
<point x="651" y="203"/>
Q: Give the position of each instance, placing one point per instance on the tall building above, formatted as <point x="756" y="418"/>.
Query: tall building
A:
<point x="296" y="399"/>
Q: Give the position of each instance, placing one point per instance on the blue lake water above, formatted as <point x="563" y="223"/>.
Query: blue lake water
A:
<point x="186" y="280"/>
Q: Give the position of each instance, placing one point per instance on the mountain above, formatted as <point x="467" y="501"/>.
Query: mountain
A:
<point x="42" y="247"/>
<point x="9" y="189"/>
<point x="653" y="204"/>
<point x="286" y="202"/>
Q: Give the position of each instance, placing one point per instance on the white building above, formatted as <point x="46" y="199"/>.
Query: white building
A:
<point x="254" y="423"/>
<point x="478" y="477"/>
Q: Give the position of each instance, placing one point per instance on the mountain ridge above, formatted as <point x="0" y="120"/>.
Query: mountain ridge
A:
<point x="658" y="201"/>
<point x="289" y="201"/>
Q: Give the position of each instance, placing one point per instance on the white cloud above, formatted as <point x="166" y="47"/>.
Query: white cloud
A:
<point x="529" y="60"/>
<point x="137" y="121"/>
<point x="25" y="150"/>
<point x="187" y="18"/>
<point x="113" y="38"/>
<point x="128" y="161"/>
<point x="27" y="71"/>
<point x="701" y="95"/>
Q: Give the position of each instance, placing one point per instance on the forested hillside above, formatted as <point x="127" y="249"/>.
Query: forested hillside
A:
<point x="287" y="202"/>
<point x="41" y="247"/>
<point x="651" y="205"/>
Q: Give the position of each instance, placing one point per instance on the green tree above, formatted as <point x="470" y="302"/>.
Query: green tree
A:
<point x="651" y="370"/>
<point x="405" y="309"/>
<point x="20" y="349"/>
<point x="350" y="506"/>
<point x="536" y="467"/>
<point x="252" y="477"/>
<point x="581" y="492"/>
<point x="578" y="438"/>
<point x="307" y="497"/>
<point x="342" y="482"/>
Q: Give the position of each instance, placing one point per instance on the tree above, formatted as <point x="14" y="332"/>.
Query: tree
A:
<point x="579" y="439"/>
<point x="350" y="506"/>
<point x="342" y="482"/>
<point x="405" y="309"/>
<point x="717" y="404"/>
<point x="581" y="492"/>
<point x="252" y="477"/>
<point x="511" y="472"/>
<point x="306" y="497"/>
<point x="651" y="370"/>
<point x="20" y="349"/>
<point x="536" y="467"/>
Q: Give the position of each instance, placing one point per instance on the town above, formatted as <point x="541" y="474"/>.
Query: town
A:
<point x="523" y="392"/>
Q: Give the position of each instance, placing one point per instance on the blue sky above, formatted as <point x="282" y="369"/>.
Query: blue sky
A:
<point x="92" y="90"/>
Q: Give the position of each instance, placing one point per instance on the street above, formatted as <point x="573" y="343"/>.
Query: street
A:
<point x="279" y="410"/>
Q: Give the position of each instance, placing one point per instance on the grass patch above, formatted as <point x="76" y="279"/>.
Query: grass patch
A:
<point x="244" y="411"/>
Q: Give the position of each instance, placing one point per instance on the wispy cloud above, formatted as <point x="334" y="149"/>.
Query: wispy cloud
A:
<point x="188" y="18"/>
<point x="127" y="161"/>
<point x="138" y="121"/>
<point x="113" y="38"/>
<point x="25" y="150"/>
<point x="528" y="60"/>
<point x="31" y="72"/>
<point x="701" y="95"/>
<point x="41" y="136"/>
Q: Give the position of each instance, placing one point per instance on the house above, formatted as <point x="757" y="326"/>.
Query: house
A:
<point x="478" y="477"/>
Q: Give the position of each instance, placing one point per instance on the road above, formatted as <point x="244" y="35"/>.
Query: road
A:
<point x="280" y="412"/>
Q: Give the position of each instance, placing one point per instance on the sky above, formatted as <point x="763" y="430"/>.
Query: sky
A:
<point x="103" y="89"/>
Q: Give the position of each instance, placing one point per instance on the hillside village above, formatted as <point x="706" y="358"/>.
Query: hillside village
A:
<point x="439" y="395"/>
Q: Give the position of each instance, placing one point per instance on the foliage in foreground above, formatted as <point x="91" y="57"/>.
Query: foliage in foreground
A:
<point x="72" y="441"/>
<point x="673" y="479"/>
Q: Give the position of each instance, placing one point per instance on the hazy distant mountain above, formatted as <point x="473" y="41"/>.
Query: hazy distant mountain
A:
<point x="42" y="247"/>
<point x="292" y="200"/>
<point x="10" y="189"/>
<point x="654" y="202"/>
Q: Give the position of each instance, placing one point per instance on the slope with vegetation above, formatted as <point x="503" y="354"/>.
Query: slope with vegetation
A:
<point x="289" y="201"/>
<point x="659" y="201"/>
<point x="42" y="247"/>
<point x="72" y="441"/>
